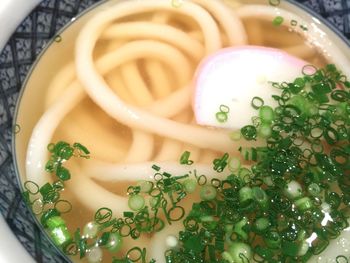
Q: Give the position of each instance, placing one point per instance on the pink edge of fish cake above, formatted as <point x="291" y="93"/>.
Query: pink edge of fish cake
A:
<point x="214" y="74"/>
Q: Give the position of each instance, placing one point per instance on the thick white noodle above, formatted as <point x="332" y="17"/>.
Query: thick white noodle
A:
<point x="148" y="30"/>
<point x="179" y="99"/>
<point x="94" y="196"/>
<point x="129" y="115"/>
<point x="158" y="77"/>
<point x="108" y="172"/>
<point x="80" y="126"/>
<point x="59" y="83"/>
<point x="47" y="124"/>
<point x="170" y="150"/>
<point x="230" y="22"/>
<point x="135" y="84"/>
<point x="141" y="96"/>
<point x="43" y="131"/>
<point x="115" y="81"/>
<point x="171" y="105"/>
<point x="140" y="140"/>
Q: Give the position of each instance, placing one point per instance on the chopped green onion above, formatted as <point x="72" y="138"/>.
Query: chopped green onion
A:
<point x="63" y="173"/>
<point x="57" y="38"/>
<point x="341" y="259"/>
<point x="90" y="230"/>
<point x="314" y="189"/>
<point x="70" y="249"/>
<point x="224" y="108"/>
<point x="245" y="195"/>
<point x="260" y="197"/>
<point x="227" y="256"/>
<point x="103" y="215"/>
<point x="184" y="159"/>
<point x="293" y="190"/>
<point x="277" y="21"/>
<point x="63" y="206"/>
<point x="290" y="248"/>
<point x="60" y="235"/>
<point x="220" y="164"/>
<point x="304" y="203"/>
<point x="82" y="150"/>
<point x="240" y="252"/>
<point x="58" y="230"/>
<point x="266" y="114"/>
<point x="135" y="254"/>
<point x="293" y="22"/>
<point x="54" y="222"/>
<point x="16" y="128"/>
<point x="274" y="2"/>
<point x="304" y="27"/>
<point x="208" y="192"/>
<point x="264" y="130"/>
<point x="156" y="167"/>
<point x="176" y="213"/>
<point x="47" y="215"/>
<point x="136" y="202"/>
<point x="262" y="224"/>
<point x="249" y="132"/>
<point x="272" y="239"/>
<point x="333" y="199"/>
<point x="37" y="206"/>
<point x="115" y="242"/>
<point x="309" y="70"/>
<point x="293" y="181"/>
<point x="31" y="187"/>
<point x="95" y="255"/>
<point x="238" y="229"/>
<point x="257" y="102"/>
<point x="145" y="186"/>
<point x="303" y="249"/>
<point x="222" y="115"/>
<point x="190" y="185"/>
<point x="234" y="164"/>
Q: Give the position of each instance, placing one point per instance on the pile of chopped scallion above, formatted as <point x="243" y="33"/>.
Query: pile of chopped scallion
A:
<point x="266" y="213"/>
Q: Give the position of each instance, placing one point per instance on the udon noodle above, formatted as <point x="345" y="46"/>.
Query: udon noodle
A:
<point x="126" y="94"/>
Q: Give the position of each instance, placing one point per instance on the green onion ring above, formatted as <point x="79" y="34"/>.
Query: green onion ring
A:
<point x="63" y="206"/>
<point x="31" y="187"/>
<point x="103" y="215"/>
<point x="176" y="209"/>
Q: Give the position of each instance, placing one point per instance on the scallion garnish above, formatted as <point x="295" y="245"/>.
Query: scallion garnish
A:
<point x="263" y="212"/>
<point x="277" y="21"/>
<point x="222" y="114"/>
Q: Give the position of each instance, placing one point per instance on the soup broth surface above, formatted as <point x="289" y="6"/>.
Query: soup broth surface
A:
<point x="159" y="51"/>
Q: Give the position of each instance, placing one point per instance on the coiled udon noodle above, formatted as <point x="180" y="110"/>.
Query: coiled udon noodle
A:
<point x="130" y="88"/>
<point x="144" y="69"/>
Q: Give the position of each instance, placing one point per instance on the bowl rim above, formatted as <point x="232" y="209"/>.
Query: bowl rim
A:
<point x="303" y="7"/>
<point x="324" y="21"/>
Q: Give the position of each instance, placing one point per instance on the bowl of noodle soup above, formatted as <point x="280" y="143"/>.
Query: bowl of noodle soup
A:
<point x="118" y="81"/>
